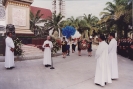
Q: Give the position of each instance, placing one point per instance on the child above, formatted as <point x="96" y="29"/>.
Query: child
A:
<point x="64" y="47"/>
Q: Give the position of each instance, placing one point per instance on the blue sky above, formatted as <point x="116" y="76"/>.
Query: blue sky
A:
<point x="76" y="7"/>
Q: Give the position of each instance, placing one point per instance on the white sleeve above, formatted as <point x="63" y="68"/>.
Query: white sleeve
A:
<point x="51" y="45"/>
<point x="99" y="51"/>
<point x="110" y="46"/>
<point x="10" y="43"/>
<point x="43" y="44"/>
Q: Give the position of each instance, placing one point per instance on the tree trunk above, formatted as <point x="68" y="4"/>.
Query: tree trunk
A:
<point x="125" y="33"/>
<point x="119" y="30"/>
<point x="119" y="33"/>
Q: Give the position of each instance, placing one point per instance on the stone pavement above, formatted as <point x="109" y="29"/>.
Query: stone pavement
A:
<point x="74" y="72"/>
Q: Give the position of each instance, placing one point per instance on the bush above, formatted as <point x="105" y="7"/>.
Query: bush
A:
<point x="18" y="50"/>
<point x="56" y="45"/>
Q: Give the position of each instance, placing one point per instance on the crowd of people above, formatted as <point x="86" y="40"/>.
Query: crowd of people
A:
<point x="81" y="45"/>
<point x="125" y="47"/>
<point x="106" y="54"/>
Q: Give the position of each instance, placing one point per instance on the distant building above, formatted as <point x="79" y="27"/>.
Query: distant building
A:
<point x="46" y="12"/>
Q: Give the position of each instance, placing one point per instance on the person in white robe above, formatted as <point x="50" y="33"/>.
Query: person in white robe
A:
<point x="47" y="45"/>
<point x="102" y="74"/>
<point x="113" y="56"/>
<point x="9" y="52"/>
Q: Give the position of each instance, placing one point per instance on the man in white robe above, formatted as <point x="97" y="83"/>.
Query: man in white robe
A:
<point x="9" y="52"/>
<point x="47" y="45"/>
<point x="113" y="56"/>
<point x="102" y="74"/>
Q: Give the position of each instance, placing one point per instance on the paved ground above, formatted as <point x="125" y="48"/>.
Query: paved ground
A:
<point x="74" y="72"/>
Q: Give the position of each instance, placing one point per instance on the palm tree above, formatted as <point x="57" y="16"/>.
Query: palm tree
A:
<point x="84" y="24"/>
<point x="73" y="22"/>
<point x="54" y="22"/>
<point x="34" y="20"/>
<point x="91" y="23"/>
<point x="78" y="23"/>
<point x="119" y="13"/>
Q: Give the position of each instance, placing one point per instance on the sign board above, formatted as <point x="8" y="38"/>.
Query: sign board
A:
<point x="19" y="17"/>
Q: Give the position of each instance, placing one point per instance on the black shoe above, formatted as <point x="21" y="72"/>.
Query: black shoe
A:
<point x="9" y="68"/>
<point x="98" y="84"/>
<point x="12" y="67"/>
<point x="114" y="79"/>
<point x="46" y="66"/>
<point x="49" y="65"/>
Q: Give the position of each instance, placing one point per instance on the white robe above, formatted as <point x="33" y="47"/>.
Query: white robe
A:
<point x="47" y="52"/>
<point x="9" y="55"/>
<point x="113" y="59"/>
<point x="103" y="73"/>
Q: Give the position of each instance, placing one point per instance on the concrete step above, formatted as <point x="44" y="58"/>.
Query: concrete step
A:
<point x="32" y="52"/>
